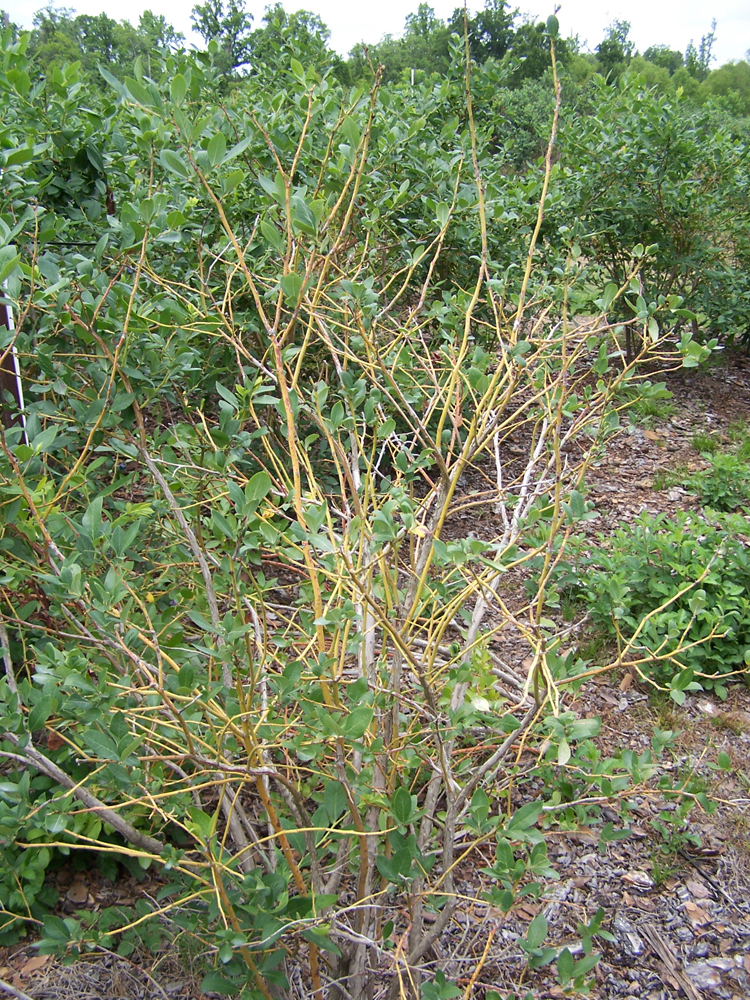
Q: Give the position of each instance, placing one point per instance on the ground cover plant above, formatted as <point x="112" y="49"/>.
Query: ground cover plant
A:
<point x="264" y="339"/>
<point x="675" y="582"/>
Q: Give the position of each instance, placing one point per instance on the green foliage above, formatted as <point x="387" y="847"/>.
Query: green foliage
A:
<point x="696" y="573"/>
<point x="730" y="83"/>
<point x="530" y="52"/>
<point x="724" y="485"/>
<point x="648" y="402"/>
<point x="521" y="120"/>
<point x="60" y="38"/>
<point x="637" y="173"/>
<point x="229" y="30"/>
<point x="263" y="339"/>
<point x="616" y="50"/>
<point x="301" y="36"/>
<point x="490" y="29"/>
<point x="705" y="441"/>
<point x="664" y="57"/>
<point x="698" y="60"/>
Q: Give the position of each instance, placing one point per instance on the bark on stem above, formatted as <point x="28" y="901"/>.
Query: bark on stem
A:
<point x="107" y="815"/>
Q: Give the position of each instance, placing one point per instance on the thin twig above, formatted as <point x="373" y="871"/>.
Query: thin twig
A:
<point x="7" y="662"/>
<point x="18" y="994"/>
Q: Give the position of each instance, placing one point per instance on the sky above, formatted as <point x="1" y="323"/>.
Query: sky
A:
<point x="653" y="22"/>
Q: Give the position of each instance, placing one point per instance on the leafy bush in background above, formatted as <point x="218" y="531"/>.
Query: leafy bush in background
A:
<point x="647" y="168"/>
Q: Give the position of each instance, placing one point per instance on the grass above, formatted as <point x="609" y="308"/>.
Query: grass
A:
<point x="706" y="442"/>
<point x="596" y="645"/>
<point x="665" y="479"/>
<point x="738" y="432"/>
<point x="647" y="412"/>
<point x="725" y="483"/>
<point x="735" y="722"/>
<point x="664" y="709"/>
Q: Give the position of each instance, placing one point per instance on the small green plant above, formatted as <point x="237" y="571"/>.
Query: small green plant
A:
<point x="738" y="431"/>
<point x="663" y="706"/>
<point x="665" y="479"/>
<point x="706" y="442"/>
<point x="649" y="403"/>
<point x="674" y="831"/>
<point x="675" y="593"/>
<point x="724" y="485"/>
<point x="440" y="989"/>
<point x="571" y="974"/>
<point x="649" y="411"/>
<point x="662" y="869"/>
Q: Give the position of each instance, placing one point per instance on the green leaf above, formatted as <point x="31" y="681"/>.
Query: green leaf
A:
<point x="43" y="442"/>
<point x="174" y="163"/>
<point x="537" y="931"/>
<point x="553" y="26"/>
<point x="139" y="93"/>
<point x="258" y="487"/>
<point x="238" y="150"/>
<point x="101" y="745"/>
<point x="201" y="821"/>
<point x="178" y="88"/>
<point x="40" y="712"/>
<point x="334" y="800"/>
<point x="20" y="81"/>
<point x="321" y="939"/>
<point x="564" y="966"/>
<point x="232" y="181"/>
<point x="272" y="235"/>
<point x="91" y="521"/>
<point x="524" y="818"/>
<point x="291" y="286"/>
<point x="480" y="806"/>
<point x="214" y="982"/>
<point x="401" y="805"/>
<point x="608" y="297"/>
<point x="17" y="156"/>
<point x="217" y="149"/>
<point x="228" y="396"/>
<point x="303" y="218"/>
<point x="609" y="834"/>
<point x="577" y="505"/>
<point x="358" y="721"/>
<point x="388" y="870"/>
<point x="8" y="263"/>
<point x="56" y="929"/>
<point x="585" y="964"/>
<point x="724" y="761"/>
<point x="114" y="83"/>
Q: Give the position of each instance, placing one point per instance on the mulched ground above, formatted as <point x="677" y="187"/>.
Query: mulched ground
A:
<point x="680" y="912"/>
